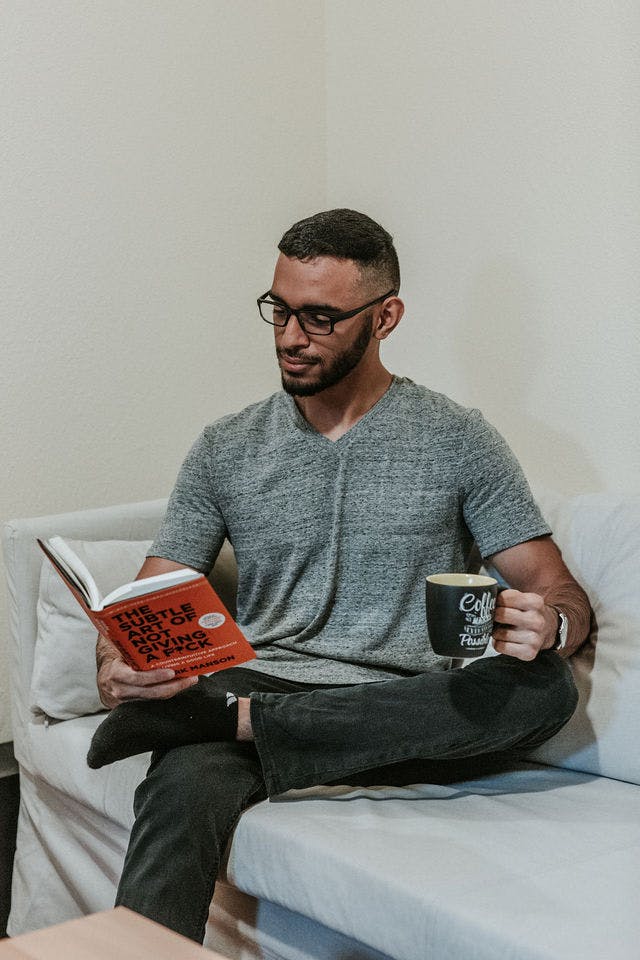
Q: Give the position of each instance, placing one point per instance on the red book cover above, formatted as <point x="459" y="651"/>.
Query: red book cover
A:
<point x="185" y="626"/>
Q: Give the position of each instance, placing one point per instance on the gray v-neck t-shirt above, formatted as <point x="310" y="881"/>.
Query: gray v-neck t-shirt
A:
<point x="334" y="539"/>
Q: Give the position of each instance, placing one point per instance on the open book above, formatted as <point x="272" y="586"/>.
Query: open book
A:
<point x="175" y="619"/>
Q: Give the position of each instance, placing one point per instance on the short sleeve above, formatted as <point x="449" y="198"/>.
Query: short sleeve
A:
<point x="193" y="529"/>
<point x="498" y="506"/>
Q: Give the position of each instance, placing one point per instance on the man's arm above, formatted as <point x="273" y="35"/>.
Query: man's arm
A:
<point x="526" y="621"/>
<point x="117" y="681"/>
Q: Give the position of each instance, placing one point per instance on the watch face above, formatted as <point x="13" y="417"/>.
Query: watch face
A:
<point x="563" y="630"/>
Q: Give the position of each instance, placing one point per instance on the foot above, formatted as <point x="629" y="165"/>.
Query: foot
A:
<point x="137" y="726"/>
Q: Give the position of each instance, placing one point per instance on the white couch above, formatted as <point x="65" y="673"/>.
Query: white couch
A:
<point x="537" y="860"/>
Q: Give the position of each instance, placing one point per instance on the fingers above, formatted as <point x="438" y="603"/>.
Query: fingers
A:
<point x="140" y="678"/>
<point x="522" y="624"/>
<point x="520" y="648"/>
<point x="118" y="682"/>
<point x="156" y="691"/>
<point x="523" y="619"/>
<point x="516" y="600"/>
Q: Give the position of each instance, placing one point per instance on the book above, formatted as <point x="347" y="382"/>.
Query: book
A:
<point x="175" y="619"/>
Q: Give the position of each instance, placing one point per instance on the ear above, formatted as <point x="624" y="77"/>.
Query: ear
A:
<point x="389" y="316"/>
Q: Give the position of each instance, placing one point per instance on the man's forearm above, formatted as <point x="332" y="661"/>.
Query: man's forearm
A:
<point x="571" y="599"/>
<point x="535" y="569"/>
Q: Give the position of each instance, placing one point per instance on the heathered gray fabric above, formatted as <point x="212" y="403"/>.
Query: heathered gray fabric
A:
<point x="334" y="539"/>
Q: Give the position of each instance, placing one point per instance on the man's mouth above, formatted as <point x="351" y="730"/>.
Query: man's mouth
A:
<point x="294" y="363"/>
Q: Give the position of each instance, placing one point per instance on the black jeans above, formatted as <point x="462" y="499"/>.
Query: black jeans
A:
<point x="395" y="731"/>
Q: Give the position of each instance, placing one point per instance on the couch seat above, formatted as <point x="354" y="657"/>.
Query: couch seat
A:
<point x="519" y="865"/>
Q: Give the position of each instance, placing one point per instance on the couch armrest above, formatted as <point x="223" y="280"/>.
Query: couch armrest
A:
<point x="23" y="560"/>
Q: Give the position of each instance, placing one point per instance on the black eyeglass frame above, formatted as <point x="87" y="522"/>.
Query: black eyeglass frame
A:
<point x="267" y="298"/>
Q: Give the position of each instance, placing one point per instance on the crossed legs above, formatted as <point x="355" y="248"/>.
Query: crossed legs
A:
<point x="193" y="795"/>
<point x="493" y="705"/>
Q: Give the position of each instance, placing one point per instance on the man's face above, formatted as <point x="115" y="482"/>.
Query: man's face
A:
<point x="308" y="363"/>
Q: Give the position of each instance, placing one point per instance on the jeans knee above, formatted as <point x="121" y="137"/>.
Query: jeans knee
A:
<point x="571" y="691"/>
<point x="560" y="678"/>
<point x="198" y="780"/>
<point x="173" y="783"/>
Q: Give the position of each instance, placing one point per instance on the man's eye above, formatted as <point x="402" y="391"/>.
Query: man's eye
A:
<point x="278" y="311"/>
<point x="319" y="319"/>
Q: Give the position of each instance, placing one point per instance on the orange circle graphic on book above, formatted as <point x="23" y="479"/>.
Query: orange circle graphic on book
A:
<point x="211" y="620"/>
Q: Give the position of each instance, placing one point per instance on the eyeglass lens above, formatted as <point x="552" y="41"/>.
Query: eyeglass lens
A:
<point x="278" y="315"/>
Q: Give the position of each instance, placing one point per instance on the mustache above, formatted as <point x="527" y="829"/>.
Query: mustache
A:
<point x="297" y="355"/>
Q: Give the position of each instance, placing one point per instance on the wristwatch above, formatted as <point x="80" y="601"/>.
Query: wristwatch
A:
<point x="563" y="630"/>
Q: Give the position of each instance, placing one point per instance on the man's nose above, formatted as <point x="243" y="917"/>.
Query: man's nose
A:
<point x="293" y="335"/>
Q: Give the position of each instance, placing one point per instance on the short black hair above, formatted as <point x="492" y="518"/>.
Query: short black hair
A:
<point x="346" y="235"/>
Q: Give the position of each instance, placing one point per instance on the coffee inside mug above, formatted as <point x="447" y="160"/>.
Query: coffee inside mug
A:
<point x="461" y="580"/>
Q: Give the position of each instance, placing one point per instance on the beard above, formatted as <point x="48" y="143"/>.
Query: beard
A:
<point x="329" y="372"/>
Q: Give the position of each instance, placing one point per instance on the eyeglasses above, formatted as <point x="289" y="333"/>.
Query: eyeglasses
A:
<point x="278" y="314"/>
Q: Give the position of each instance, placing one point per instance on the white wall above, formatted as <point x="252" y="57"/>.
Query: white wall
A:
<point x="155" y="151"/>
<point x="153" y="154"/>
<point x="499" y="141"/>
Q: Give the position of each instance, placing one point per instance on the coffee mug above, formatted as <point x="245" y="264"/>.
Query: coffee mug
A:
<point x="460" y="613"/>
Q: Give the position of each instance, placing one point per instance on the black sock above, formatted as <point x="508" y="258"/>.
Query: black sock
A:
<point x="194" y="716"/>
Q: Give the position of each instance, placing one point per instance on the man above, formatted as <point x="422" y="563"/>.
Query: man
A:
<point x="339" y="494"/>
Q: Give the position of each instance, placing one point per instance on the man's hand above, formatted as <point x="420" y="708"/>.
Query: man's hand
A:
<point x="524" y="624"/>
<point x="118" y="682"/>
<point x="526" y="621"/>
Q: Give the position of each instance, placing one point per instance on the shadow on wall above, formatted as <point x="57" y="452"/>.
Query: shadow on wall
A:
<point x="507" y="358"/>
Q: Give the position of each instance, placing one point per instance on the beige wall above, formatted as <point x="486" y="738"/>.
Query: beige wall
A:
<point x="154" y="153"/>
<point x="500" y="141"/>
<point x="155" y="150"/>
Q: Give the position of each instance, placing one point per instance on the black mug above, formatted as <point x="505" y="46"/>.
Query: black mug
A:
<point x="460" y="610"/>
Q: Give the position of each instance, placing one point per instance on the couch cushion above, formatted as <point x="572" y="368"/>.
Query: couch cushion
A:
<point x="58" y="751"/>
<point x="599" y="535"/>
<point x="63" y="684"/>
<point x="527" y="863"/>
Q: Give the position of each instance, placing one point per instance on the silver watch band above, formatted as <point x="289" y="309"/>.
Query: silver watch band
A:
<point x="562" y="632"/>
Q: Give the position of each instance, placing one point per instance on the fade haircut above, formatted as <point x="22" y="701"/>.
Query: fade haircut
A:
<point x="346" y="235"/>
